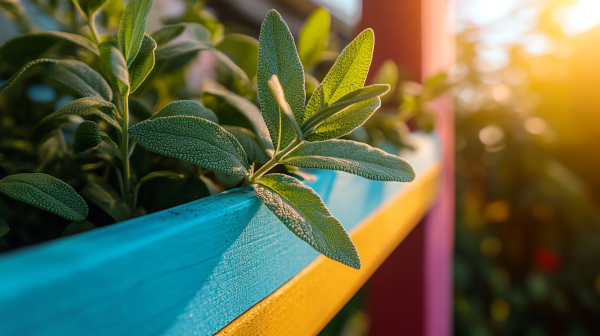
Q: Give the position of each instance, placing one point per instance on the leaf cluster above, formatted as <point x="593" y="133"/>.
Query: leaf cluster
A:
<point x="203" y="142"/>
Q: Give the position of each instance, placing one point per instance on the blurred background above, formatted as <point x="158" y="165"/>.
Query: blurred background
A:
<point x="526" y="91"/>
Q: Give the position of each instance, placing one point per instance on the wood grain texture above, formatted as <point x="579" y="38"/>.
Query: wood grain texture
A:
<point x="305" y="304"/>
<point x="189" y="270"/>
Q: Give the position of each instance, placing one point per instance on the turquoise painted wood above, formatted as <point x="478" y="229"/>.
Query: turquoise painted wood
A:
<point x="189" y="270"/>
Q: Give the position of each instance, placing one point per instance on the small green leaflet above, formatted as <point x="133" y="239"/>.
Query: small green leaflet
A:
<point x="387" y="74"/>
<point x="195" y="140"/>
<point x="14" y="77"/>
<point x="114" y="65"/>
<point x="47" y="193"/>
<point x="313" y="38"/>
<point x="351" y="157"/>
<point x="28" y="46"/>
<point x="80" y="78"/>
<point x="143" y="63"/>
<point x="132" y="27"/>
<point x="4" y="229"/>
<point x="347" y="74"/>
<point x="346" y="121"/>
<point x="250" y="143"/>
<point x="173" y="50"/>
<point x="104" y="196"/>
<point x="168" y="33"/>
<point x="88" y="8"/>
<point x="354" y="97"/>
<point x="277" y="55"/>
<point x="186" y="108"/>
<point x="87" y="135"/>
<point x="302" y="211"/>
<point x="87" y="107"/>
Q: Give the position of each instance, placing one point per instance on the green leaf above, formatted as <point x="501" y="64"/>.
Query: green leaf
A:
<point x="87" y="107"/>
<point x="250" y="143"/>
<point x="238" y="111"/>
<point x="114" y="65"/>
<point x="186" y="108"/>
<point x="87" y="135"/>
<point x="241" y="49"/>
<point x="277" y="55"/>
<point x="435" y="85"/>
<point x="143" y="63"/>
<point x="132" y="27"/>
<point x="14" y="77"/>
<point x="347" y="74"/>
<point x="194" y="140"/>
<point x="28" y="46"/>
<point x="104" y="196"/>
<point x="168" y="33"/>
<point x="228" y="181"/>
<point x="170" y="51"/>
<point x="80" y="78"/>
<point x="346" y="121"/>
<point x="88" y="8"/>
<point x="302" y="211"/>
<point x="339" y="107"/>
<point x="351" y="157"/>
<point x="313" y="38"/>
<point x="47" y="193"/>
<point x="4" y="229"/>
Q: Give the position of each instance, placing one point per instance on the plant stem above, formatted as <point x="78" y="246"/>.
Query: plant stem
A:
<point x="275" y="160"/>
<point x="92" y="24"/>
<point x="125" y="151"/>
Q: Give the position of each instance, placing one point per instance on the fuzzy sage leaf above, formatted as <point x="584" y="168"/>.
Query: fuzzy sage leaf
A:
<point x="132" y="27"/>
<point x="115" y="65"/>
<point x="16" y="76"/>
<point x="195" y="140"/>
<point x="87" y="107"/>
<point x="302" y="211"/>
<point x="186" y="108"/>
<point x="339" y="107"/>
<point x="277" y="55"/>
<point x="28" y="46"/>
<point x="87" y="135"/>
<point x="347" y="74"/>
<point x="47" y="193"/>
<point x="351" y="157"/>
<point x="80" y="78"/>
<point x="143" y="63"/>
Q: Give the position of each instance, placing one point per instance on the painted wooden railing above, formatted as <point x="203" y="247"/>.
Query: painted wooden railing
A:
<point x="223" y="264"/>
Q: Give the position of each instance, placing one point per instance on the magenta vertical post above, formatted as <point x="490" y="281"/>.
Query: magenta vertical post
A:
<point x="411" y="293"/>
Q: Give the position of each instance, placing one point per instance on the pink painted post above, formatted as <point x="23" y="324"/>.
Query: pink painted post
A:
<point x="411" y="293"/>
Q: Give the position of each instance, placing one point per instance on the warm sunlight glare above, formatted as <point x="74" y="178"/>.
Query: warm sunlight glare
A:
<point x="581" y="17"/>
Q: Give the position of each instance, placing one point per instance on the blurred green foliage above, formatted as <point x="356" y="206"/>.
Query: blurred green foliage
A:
<point x="527" y="257"/>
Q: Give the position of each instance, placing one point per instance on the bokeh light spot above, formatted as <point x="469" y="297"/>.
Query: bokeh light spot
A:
<point x="535" y="125"/>
<point x="500" y="310"/>
<point x="497" y="212"/>
<point x="491" y="135"/>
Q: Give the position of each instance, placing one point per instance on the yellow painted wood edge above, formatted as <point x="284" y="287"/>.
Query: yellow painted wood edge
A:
<point x="306" y="303"/>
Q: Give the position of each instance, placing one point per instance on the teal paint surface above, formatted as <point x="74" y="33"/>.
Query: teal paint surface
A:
<point x="189" y="270"/>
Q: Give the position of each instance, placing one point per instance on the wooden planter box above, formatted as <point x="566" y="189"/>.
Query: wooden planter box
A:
<point x="223" y="264"/>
